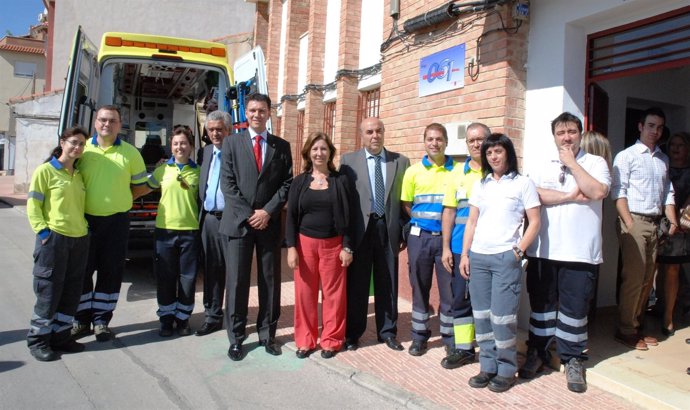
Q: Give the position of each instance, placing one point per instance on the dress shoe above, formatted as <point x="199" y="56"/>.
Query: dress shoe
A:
<point x="166" y="330"/>
<point x="351" y="344"/>
<point x="668" y="332"/>
<point x="303" y="353"/>
<point x="650" y="340"/>
<point x="481" y="380"/>
<point x="183" y="328"/>
<point x="417" y="348"/>
<point x="70" y="346"/>
<point x="392" y="343"/>
<point x="208" y="328"/>
<point x="632" y="341"/>
<point x="327" y="354"/>
<point x="271" y="347"/>
<point x="235" y="352"/>
<point x="44" y="354"/>
<point x="457" y="358"/>
<point x="500" y="384"/>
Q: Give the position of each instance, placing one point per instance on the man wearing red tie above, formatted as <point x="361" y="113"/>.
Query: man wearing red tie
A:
<point x="256" y="172"/>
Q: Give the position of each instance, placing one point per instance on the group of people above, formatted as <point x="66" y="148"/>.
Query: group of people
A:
<point x="478" y="225"/>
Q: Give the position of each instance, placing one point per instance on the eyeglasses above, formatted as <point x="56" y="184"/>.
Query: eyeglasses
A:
<point x="183" y="182"/>
<point x="76" y="143"/>
<point x="561" y="177"/>
<point x="477" y="141"/>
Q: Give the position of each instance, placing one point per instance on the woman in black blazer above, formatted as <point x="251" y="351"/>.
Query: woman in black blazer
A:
<point x="318" y="240"/>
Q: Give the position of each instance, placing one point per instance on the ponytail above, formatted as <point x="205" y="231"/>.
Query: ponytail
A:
<point x="56" y="152"/>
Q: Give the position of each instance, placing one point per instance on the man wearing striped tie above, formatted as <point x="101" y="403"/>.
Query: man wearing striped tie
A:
<point x="376" y="222"/>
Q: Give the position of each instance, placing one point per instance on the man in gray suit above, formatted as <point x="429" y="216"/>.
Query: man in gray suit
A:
<point x="256" y="173"/>
<point x="377" y="223"/>
<point x="218" y="124"/>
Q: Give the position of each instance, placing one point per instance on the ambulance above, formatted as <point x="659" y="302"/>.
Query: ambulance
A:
<point x="158" y="82"/>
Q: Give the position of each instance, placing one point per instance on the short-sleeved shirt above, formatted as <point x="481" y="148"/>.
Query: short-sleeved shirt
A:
<point x="178" y="208"/>
<point x="424" y="184"/>
<point x="502" y="205"/>
<point x="56" y="201"/>
<point x="641" y="176"/>
<point x="108" y="174"/>
<point x="456" y="196"/>
<point x="570" y="232"/>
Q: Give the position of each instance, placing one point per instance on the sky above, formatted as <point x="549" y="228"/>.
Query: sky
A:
<point x="16" y="16"/>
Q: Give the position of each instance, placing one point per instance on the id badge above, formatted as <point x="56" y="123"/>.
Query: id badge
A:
<point x="415" y="230"/>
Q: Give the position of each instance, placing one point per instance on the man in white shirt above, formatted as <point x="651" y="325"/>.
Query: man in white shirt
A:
<point x="643" y="192"/>
<point x="562" y="268"/>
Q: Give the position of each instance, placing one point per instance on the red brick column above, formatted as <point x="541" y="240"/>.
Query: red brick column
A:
<point x="314" y="107"/>
<point x="297" y="23"/>
<point x="348" y="59"/>
<point x="261" y="25"/>
<point x="272" y="50"/>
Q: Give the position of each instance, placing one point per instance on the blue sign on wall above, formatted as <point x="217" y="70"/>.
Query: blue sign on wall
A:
<point x="442" y="71"/>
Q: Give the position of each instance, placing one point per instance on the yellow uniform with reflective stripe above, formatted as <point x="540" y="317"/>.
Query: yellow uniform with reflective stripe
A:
<point x="456" y="196"/>
<point x="108" y="173"/>
<point x="56" y="200"/>
<point x="178" y="208"/>
<point x="424" y="184"/>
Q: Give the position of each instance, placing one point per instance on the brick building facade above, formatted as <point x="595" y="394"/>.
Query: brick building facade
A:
<point x="494" y="92"/>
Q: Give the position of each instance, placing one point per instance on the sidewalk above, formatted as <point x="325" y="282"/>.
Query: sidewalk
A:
<point x="618" y="378"/>
<point x="7" y="194"/>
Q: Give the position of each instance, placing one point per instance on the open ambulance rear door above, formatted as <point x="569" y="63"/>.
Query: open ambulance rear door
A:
<point x="81" y="87"/>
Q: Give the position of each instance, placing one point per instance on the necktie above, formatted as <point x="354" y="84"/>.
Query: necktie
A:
<point x="379" y="188"/>
<point x="257" y="152"/>
<point x="212" y="202"/>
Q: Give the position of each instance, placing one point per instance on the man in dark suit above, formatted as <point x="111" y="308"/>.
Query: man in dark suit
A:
<point x="217" y="125"/>
<point x="377" y="223"/>
<point x="256" y="173"/>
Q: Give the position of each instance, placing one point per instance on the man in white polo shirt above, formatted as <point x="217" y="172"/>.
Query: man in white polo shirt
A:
<point x="562" y="268"/>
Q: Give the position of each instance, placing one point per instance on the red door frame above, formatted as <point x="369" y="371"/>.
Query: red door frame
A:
<point x="633" y="71"/>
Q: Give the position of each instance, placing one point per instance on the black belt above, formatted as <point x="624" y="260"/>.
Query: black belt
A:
<point x="648" y="218"/>
<point x="376" y="217"/>
<point x="432" y="233"/>
<point x="217" y="214"/>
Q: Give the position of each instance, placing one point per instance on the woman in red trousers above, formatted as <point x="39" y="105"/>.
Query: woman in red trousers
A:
<point x="319" y="248"/>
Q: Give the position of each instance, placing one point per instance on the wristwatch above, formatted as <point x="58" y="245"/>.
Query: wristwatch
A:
<point x="519" y="252"/>
<point x="348" y="250"/>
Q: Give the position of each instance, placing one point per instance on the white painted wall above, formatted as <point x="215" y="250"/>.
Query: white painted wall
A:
<point x="199" y="19"/>
<point x="13" y="86"/>
<point x="556" y="83"/>
<point x="303" y="63"/>
<point x="370" y="39"/>
<point x="37" y="123"/>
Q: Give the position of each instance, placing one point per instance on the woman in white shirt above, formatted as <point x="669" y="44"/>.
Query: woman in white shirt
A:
<point x="493" y="263"/>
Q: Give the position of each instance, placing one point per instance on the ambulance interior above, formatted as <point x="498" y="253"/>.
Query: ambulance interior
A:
<point x="155" y="96"/>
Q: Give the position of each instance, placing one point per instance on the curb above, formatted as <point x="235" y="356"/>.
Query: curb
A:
<point x="372" y="383"/>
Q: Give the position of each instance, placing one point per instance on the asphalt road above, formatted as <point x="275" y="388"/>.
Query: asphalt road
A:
<point x="138" y="369"/>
